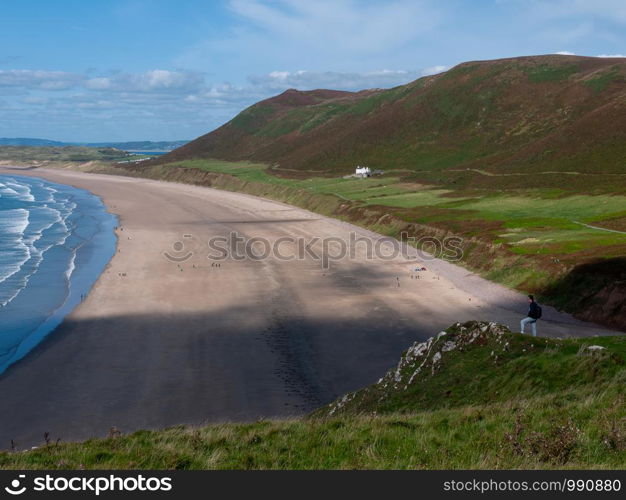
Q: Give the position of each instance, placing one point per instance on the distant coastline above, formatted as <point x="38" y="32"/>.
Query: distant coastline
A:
<point x="152" y="146"/>
<point x="155" y="153"/>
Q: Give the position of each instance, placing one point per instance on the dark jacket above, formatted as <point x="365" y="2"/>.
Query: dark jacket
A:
<point x="533" y="310"/>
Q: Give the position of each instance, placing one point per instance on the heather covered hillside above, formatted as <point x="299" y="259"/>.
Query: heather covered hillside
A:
<point x="519" y="115"/>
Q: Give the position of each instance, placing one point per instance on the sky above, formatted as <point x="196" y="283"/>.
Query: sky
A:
<point x="123" y="70"/>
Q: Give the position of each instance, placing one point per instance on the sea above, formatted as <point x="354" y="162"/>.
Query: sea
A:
<point x="55" y="240"/>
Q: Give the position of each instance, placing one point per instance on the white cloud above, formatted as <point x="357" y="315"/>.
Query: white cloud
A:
<point x="347" y="26"/>
<point x="308" y="80"/>
<point x="35" y="79"/>
<point x="323" y="35"/>
<point x="433" y="70"/>
<point x="612" y="10"/>
<point x="158" y="80"/>
<point x="565" y="53"/>
<point x="611" y="55"/>
<point x="100" y="83"/>
<point x="279" y="75"/>
<point x="180" y="97"/>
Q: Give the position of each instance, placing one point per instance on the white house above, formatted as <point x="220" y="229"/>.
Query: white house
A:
<point x="363" y="171"/>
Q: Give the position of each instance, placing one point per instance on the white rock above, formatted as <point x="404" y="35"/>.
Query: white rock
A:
<point x="596" y="348"/>
<point x="448" y="346"/>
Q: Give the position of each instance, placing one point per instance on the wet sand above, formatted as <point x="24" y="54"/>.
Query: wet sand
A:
<point x="159" y="342"/>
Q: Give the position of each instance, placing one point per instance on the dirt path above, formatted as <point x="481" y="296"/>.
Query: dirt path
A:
<point x="599" y="228"/>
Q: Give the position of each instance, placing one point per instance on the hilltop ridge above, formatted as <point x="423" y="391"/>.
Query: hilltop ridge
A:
<point x="523" y="113"/>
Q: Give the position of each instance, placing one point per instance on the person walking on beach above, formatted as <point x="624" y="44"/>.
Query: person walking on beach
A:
<point x="534" y="313"/>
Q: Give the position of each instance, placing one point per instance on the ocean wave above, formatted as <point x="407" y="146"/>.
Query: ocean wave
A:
<point x="50" y="192"/>
<point x="22" y="191"/>
<point x="70" y="268"/>
<point x="15" y="252"/>
<point x="27" y="233"/>
<point x="7" y="191"/>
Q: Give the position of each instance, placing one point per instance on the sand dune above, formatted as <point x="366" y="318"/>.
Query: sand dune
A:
<point x="160" y="342"/>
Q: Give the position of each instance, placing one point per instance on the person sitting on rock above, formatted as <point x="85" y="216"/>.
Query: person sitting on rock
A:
<point x="534" y="313"/>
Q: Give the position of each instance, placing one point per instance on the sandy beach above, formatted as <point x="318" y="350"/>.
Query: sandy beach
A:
<point x="163" y="341"/>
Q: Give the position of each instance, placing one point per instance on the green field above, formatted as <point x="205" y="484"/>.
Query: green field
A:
<point x="536" y="221"/>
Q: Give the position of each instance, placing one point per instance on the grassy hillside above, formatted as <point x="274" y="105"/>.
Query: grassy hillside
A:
<point x="523" y="115"/>
<point x="503" y="367"/>
<point x="476" y="397"/>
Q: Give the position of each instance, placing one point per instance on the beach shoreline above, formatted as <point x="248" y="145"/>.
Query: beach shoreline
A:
<point x="159" y="342"/>
<point x="69" y="240"/>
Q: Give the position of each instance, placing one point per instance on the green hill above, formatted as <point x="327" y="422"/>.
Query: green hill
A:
<point x="520" y="115"/>
<point x="475" y="396"/>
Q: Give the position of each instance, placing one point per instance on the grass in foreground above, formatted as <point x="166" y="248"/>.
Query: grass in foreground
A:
<point x="538" y="403"/>
<point x="568" y="430"/>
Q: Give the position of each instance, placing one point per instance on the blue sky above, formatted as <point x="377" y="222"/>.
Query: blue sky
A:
<point x="120" y="70"/>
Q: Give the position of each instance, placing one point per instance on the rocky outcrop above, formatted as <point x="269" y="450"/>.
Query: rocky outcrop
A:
<point x="422" y="361"/>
